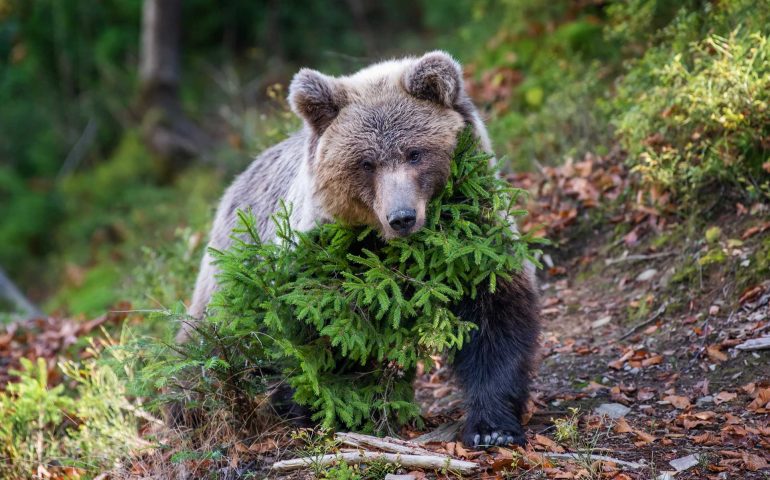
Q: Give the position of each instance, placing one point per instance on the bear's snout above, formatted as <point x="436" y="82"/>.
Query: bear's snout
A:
<point x="402" y="220"/>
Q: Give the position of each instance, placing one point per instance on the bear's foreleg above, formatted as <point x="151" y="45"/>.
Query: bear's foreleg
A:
<point x="495" y="367"/>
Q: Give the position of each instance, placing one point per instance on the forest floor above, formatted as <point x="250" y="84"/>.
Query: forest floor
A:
<point x="671" y="387"/>
<point x="651" y="355"/>
<point x="653" y="362"/>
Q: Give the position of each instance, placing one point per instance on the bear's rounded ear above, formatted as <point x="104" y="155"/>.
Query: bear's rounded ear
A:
<point x="316" y="97"/>
<point x="435" y="76"/>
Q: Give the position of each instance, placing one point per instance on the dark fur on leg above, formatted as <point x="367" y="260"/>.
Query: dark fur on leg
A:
<point x="495" y="367"/>
<point x="283" y="404"/>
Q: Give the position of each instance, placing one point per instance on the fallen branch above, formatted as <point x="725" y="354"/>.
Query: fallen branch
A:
<point x="603" y="458"/>
<point x="760" y="343"/>
<point x="637" y="258"/>
<point x="387" y="444"/>
<point x="432" y="462"/>
<point x="650" y="320"/>
<point x="444" y="433"/>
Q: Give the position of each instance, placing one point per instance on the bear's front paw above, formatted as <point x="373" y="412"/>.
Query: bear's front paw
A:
<point x="482" y="434"/>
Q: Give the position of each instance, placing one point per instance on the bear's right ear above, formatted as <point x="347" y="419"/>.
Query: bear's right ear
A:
<point x="316" y="97"/>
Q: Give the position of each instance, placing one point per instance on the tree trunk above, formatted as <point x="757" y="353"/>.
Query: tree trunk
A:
<point x="167" y="130"/>
<point x="161" y="29"/>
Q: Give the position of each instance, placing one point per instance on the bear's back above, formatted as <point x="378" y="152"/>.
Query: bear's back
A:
<point x="260" y="188"/>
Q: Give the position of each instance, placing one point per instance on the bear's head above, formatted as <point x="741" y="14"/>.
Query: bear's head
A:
<point x="381" y="141"/>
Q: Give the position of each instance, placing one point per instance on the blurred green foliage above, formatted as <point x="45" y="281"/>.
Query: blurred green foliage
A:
<point x="80" y="196"/>
<point x="78" y="191"/>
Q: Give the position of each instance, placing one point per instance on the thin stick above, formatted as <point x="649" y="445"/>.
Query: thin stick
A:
<point x="637" y="258"/>
<point x="433" y="462"/>
<point x="650" y="320"/>
<point x="387" y="444"/>
<point x="604" y="458"/>
<point x="444" y="433"/>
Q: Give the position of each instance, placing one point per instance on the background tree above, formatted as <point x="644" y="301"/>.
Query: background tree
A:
<point x="167" y="130"/>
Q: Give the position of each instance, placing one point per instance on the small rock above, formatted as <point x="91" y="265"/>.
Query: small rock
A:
<point x="612" y="410"/>
<point x="761" y="343"/>
<point x="601" y="322"/>
<point x="390" y="476"/>
<point x="667" y="276"/>
<point x="704" y="400"/>
<point x="684" y="463"/>
<point x="647" y="275"/>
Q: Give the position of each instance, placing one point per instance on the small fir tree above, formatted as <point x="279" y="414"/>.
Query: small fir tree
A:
<point x="345" y="317"/>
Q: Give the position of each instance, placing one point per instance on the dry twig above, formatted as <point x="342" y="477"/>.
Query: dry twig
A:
<point x="432" y="462"/>
<point x="650" y="320"/>
<point x="603" y="458"/>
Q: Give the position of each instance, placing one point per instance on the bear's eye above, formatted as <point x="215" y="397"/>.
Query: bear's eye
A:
<point x="414" y="155"/>
<point x="367" y="165"/>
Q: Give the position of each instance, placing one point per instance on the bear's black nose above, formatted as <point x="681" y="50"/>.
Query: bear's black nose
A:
<point x="402" y="220"/>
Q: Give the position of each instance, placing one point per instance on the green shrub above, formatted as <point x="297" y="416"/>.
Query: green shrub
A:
<point x="540" y="67"/>
<point x="41" y="426"/>
<point x="698" y="115"/>
<point x="346" y="317"/>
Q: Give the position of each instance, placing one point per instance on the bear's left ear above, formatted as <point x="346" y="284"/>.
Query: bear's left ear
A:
<point x="435" y="76"/>
<point x="316" y="97"/>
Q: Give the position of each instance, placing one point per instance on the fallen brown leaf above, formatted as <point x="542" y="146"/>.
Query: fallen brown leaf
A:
<point x="753" y="462"/>
<point x="751" y="231"/>
<point x="535" y="459"/>
<point x="461" y="452"/>
<point x="622" y="426"/>
<point x="653" y="360"/>
<point x="677" y="401"/>
<point x="502" y="459"/>
<point x="706" y="415"/>
<point x="749" y="388"/>
<point x="715" y="354"/>
<point x="549" y="444"/>
<point x="263" y="447"/>
<point x="724" y="396"/>
<point x="644" y="438"/>
<point x="706" y="438"/>
<point x="761" y="400"/>
<point x="750" y="294"/>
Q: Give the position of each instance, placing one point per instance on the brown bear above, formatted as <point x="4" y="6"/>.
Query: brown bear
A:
<point x="375" y="148"/>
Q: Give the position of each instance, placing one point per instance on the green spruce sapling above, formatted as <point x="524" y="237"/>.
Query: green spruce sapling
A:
<point x="345" y="317"/>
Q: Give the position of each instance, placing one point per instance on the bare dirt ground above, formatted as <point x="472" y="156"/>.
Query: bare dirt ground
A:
<point x="669" y="386"/>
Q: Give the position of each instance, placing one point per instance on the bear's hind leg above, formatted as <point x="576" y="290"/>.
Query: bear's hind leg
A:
<point x="495" y="367"/>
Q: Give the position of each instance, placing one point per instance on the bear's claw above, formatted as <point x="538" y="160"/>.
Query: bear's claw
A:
<point x="488" y="437"/>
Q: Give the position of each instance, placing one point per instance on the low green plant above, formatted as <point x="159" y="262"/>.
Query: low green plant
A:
<point x="695" y="114"/>
<point x="315" y="444"/>
<point x="583" y="445"/>
<point x="345" y="317"/>
<point x="88" y="428"/>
